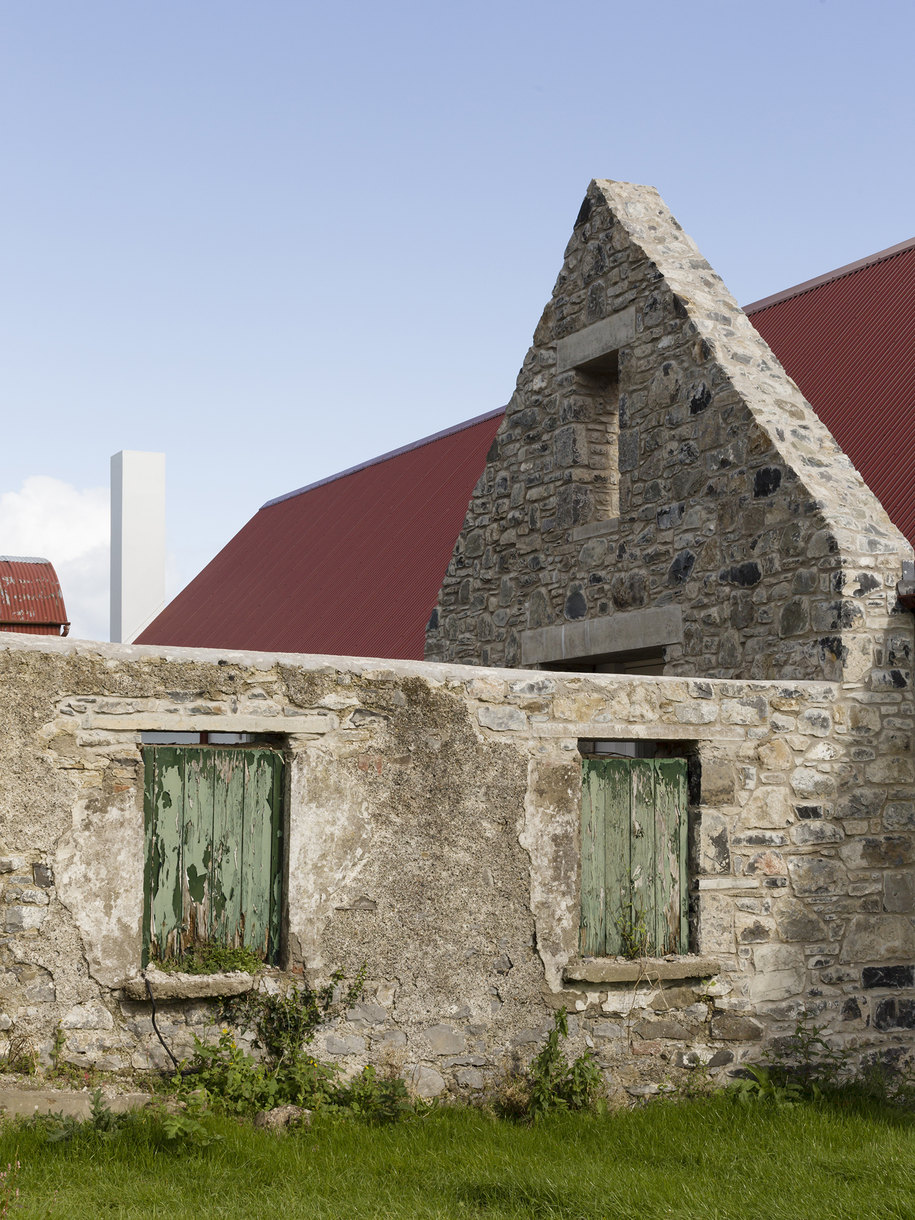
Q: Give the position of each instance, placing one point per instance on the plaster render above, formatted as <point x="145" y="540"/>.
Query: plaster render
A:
<point x="433" y="835"/>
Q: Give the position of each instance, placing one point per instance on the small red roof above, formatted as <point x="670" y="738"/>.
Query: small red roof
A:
<point x="30" y="597"/>
<point x="352" y="565"/>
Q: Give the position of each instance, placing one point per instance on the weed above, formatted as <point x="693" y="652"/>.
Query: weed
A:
<point x="57" y="1047"/>
<point x="9" y="1187"/>
<point x="552" y="1083"/>
<point x="284" y="1024"/>
<point x="212" y="959"/>
<point x="21" y="1055"/>
<point x="806" y="1056"/>
<point x="373" y="1098"/>
<point x="635" y="938"/>
<point x="762" y="1084"/>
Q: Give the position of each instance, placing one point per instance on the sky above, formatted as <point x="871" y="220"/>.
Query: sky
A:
<point x="273" y="239"/>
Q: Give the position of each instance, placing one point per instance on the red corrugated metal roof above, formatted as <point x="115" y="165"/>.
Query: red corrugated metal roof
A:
<point x="848" y="340"/>
<point x="350" y="566"/>
<point x="30" y="597"/>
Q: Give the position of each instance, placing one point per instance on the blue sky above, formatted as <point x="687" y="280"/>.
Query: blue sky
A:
<point x="275" y="239"/>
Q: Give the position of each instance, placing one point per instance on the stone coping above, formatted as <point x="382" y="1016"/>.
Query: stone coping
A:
<point x="651" y="969"/>
<point x="168" y="985"/>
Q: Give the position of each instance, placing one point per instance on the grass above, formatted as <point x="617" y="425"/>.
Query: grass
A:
<point x="709" y="1159"/>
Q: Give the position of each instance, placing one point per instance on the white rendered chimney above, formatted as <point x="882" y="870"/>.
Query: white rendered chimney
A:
<point x="137" y="542"/>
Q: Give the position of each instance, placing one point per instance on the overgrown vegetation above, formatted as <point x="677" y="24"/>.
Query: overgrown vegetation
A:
<point x="212" y="959"/>
<point x="551" y="1083"/>
<point x="21" y="1056"/>
<point x="232" y="1080"/>
<point x="635" y="937"/>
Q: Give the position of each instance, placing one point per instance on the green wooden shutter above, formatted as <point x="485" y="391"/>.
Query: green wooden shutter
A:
<point x="633" y="855"/>
<point x="213" y="837"/>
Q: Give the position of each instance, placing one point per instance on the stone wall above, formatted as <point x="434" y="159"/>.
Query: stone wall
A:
<point x="433" y="835"/>
<point x="656" y="458"/>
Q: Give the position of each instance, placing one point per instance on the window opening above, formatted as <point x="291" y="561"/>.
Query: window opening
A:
<point x="634" y="897"/>
<point x="596" y="396"/>
<point x="214" y="831"/>
<point x="647" y="661"/>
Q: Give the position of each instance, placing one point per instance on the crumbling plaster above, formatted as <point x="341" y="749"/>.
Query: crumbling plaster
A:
<point x="433" y="835"/>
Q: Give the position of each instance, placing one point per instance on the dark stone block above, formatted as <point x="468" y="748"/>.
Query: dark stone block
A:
<point x="576" y="607"/>
<point x="888" y="976"/>
<point x="43" y="875"/>
<point x="721" y="1059"/>
<point x="809" y="811"/>
<point x="744" y="574"/>
<point x="680" y="568"/>
<point x="767" y="481"/>
<point x="700" y="397"/>
<point x="851" y="1010"/>
<point x="831" y="648"/>
<point x="895" y="1014"/>
<point x="866" y="584"/>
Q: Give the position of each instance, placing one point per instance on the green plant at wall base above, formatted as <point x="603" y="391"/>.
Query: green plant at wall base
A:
<point x="21" y="1056"/>
<point x="284" y="1024"/>
<point x="552" y="1082"/>
<point x="806" y="1055"/>
<point x="373" y="1098"/>
<point x="762" y="1084"/>
<point x="211" y="959"/>
<point x="57" y="1047"/>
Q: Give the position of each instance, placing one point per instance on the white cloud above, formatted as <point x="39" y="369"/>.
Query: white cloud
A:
<point x="69" y="526"/>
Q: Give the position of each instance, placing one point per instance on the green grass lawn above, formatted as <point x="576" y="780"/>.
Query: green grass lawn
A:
<point x="707" y="1159"/>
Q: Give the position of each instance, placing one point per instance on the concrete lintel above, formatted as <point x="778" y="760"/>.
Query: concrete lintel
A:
<point x="167" y="722"/>
<point x="656" y="730"/>
<point x="647" y="969"/>
<point x="596" y="637"/>
<point x="600" y="339"/>
<point x="728" y="883"/>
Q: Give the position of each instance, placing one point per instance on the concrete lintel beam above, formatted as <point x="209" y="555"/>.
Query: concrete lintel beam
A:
<point x="630" y="631"/>
<point x="597" y="341"/>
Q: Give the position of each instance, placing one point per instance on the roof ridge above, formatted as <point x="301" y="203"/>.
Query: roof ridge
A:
<point x="384" y="457"/>
<point x="829" y="277"/>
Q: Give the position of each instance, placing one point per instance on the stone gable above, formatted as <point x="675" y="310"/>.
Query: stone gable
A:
<point x="656" y="458"/>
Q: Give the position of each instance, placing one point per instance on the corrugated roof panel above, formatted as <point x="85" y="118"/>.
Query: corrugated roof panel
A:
<point x="351" y="566"/>
<point x="849" y="343"/>
<point x="30" y="597"/>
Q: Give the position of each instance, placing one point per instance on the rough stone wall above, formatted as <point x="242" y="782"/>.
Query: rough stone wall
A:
<point x="655" y="456"/>
<point x="433" y="834"/>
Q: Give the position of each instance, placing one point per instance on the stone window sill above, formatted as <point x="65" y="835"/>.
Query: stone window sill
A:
<point x="168" y="985"/>
<point x="651" y="969"/>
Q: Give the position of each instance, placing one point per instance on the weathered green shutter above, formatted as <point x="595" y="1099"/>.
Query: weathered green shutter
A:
<point x="633" y="855"/>
<point x="213" y="832"/>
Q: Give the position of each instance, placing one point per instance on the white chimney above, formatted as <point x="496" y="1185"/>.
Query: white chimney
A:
<point x="137" y="542"/>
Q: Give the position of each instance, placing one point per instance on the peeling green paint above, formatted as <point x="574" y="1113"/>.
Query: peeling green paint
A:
<point x="633" y="854"/>
<point x="213" y="831"/>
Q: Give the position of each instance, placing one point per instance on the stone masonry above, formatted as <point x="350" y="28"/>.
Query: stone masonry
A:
<point x="432" y="833"/>
<point x="659" y="482"/>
